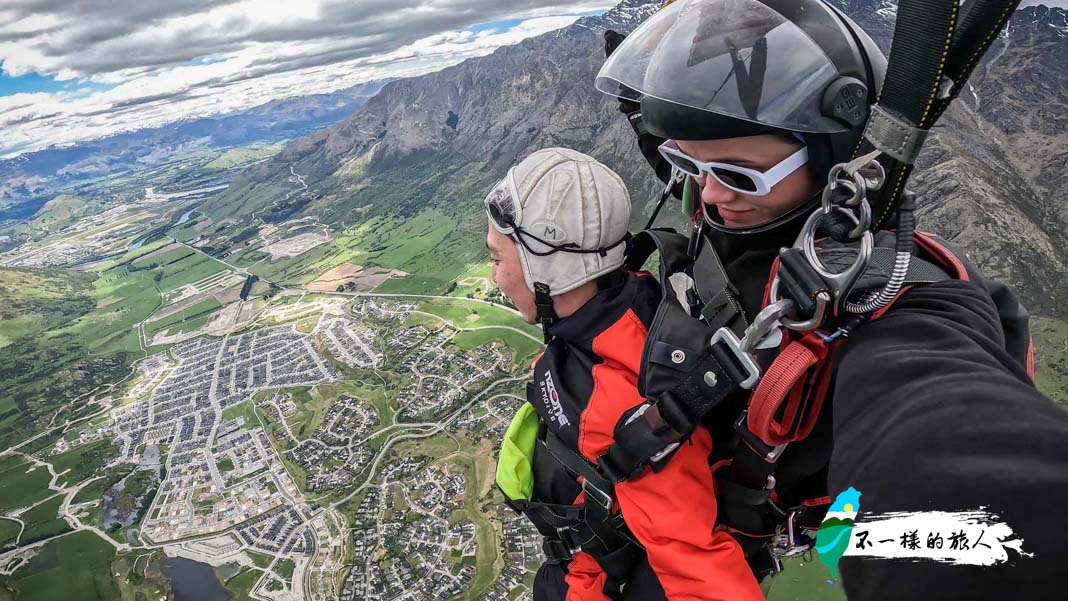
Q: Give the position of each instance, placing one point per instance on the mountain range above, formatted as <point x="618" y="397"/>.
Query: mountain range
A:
<point x="990" y="179"/>
<point x="29" y="180"/>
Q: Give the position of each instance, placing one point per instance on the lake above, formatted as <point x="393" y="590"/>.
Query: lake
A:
<point x="192" y="580"/>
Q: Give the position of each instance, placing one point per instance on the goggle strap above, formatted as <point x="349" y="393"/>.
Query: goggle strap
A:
<point x="546" y="314"/>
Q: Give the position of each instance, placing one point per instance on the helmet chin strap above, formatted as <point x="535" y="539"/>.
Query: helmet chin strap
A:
<point x="546" y="315"/>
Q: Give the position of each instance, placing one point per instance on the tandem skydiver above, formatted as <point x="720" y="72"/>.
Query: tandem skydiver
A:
<point x="557" y="234"/>
<point x="900" y="371"/>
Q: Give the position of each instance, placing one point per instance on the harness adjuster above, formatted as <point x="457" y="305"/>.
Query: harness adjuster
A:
<point x="767" y="453"/>
<point x="727" y="340"/>
<point x="598" y="496"/>
<point x="556" y="550"/>
<point x="569" y="539"/>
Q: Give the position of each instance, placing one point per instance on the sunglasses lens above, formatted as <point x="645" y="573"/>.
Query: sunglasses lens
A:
<point x="733" y="179"/>
<point x="683" y="164"/>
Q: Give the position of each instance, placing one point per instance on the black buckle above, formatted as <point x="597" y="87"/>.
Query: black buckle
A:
<point x="570" y="539"/>
<point x="767" y="453"/>
<point x="556" y="551"/>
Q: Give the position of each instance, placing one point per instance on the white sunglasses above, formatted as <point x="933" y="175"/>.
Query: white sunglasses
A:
<point x="740" y="179"/>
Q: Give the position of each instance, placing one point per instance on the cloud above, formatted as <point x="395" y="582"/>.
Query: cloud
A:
<point x="143" y="63"/>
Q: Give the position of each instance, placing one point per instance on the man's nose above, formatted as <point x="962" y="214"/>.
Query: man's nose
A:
<point x="713" y="192"/>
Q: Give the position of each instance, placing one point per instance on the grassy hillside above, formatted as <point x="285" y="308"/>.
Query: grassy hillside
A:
<point x="235" y="157"/>
<point x="67" y="333"/>
<point x="1051" y="357"/>
<point x="35" y="301"/>
<point x="425" y="219"/>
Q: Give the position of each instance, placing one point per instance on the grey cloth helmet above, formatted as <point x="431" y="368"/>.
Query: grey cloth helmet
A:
<point x="714" y="69"/>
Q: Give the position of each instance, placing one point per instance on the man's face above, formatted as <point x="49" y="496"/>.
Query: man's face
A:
<point x="754" y="152"/>
<point x="508" y="273"/>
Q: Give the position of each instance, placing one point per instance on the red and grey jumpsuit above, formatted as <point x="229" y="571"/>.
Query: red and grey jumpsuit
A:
<point x="584" y="382"/>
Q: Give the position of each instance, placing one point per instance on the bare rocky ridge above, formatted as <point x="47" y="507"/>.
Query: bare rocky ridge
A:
<point x="991" y="179"/>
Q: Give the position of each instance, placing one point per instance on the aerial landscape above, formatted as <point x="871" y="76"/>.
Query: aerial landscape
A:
<point x="265" y="358"/>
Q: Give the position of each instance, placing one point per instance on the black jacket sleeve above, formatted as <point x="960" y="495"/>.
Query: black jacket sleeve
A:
<point x="931" y="414"/>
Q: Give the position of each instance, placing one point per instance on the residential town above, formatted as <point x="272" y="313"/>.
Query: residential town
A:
<point x="251" y="464"/>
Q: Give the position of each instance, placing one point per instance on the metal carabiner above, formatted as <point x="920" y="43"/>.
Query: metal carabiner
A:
<point x="823" y="300"/>
<point x="765" y="322"/>
<point x="841" y="283"/>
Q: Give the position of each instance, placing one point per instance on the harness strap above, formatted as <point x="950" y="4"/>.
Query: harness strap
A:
<point x="780" y="384"/>
<point x="597" y="496"/>
<point x="717" y="295"/>
<point x="931" y="59"/>
<point x="546" y="315"/>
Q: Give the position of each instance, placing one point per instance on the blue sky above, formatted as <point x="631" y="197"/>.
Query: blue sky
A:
<point x="77" y="71"/>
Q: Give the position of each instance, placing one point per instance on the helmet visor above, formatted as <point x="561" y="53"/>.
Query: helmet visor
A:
<point x="737" y="58"/>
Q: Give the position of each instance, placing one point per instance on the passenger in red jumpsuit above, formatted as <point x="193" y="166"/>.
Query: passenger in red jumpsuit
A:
<point x="557" y="226"/>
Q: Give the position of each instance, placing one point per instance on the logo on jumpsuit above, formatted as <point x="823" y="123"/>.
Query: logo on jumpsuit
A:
<point x="551" y="399"/>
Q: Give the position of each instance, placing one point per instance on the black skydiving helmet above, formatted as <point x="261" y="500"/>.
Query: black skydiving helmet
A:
<point x="717" y="69"/>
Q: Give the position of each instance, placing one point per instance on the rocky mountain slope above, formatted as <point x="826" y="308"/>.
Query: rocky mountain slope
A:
<point x="991" y="178"/>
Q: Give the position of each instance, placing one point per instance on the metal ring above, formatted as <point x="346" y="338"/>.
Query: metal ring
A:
<point x="856" y="192"/>
<point x="864" y="222"/>
<point x="860" y="187"/>
<point x="841" y="282"/>
<point x="875" y="181"/>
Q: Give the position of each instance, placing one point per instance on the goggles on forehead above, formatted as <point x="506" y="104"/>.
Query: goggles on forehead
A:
<point x="505" y="213"/>
<point x="739" y="179"/>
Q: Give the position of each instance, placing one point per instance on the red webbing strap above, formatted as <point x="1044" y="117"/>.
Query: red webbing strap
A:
<point x="782" y="379"/>
<point x="930" y="244"/>
<point x="1031" y="358"/>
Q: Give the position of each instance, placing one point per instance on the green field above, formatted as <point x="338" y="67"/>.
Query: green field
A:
<point x="464" y="313"/>
<point x="35" y="301"/>
<point x="76" y="566"/>
<point x="43" y="522"/>
<point x="176" y="268"/>
<point x="243" y="409"/>
<point x="241" y="584"/>
<point x="312" y="404"/>
<point x="9" y="530"/>
<point x="285" y="568"/>
<point x="82" y="462"/>
<point x="188" y="319"/>
<point x="804" y="581"/>
<point x="236" y="157"/>
<point x="21" y="489"/>
<point x="261" y="560"/>
<point x="524" y="349"/>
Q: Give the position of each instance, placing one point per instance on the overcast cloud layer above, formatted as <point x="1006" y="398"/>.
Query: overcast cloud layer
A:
<point x="143" y="63"/>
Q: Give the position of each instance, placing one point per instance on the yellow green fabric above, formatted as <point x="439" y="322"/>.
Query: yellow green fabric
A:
<point x="515" y="464"/>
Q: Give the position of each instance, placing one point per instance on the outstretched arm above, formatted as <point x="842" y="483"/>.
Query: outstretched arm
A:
<point x="930" y="413"/>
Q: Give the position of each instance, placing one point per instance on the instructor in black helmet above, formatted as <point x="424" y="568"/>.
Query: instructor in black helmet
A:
<point x="912" y="382"/>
